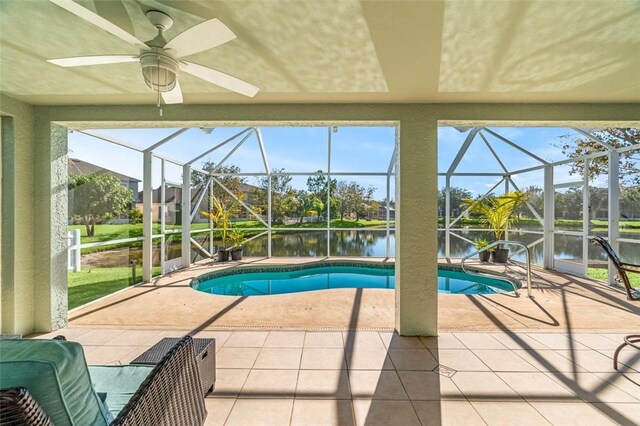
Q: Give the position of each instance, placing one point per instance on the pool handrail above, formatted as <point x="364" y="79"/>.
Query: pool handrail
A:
<point x="515" y="243"/>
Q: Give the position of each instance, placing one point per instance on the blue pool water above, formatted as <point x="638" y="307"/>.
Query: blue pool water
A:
<point x="247" y="283"/>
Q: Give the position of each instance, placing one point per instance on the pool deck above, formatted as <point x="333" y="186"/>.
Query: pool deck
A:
<point x="561" y="302"/>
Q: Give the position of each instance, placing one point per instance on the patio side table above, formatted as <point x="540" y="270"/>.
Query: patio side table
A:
<point x="205" y="358"/>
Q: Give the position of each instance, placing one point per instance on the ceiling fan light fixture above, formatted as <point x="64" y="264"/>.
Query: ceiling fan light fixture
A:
<point x="160" y="71"/>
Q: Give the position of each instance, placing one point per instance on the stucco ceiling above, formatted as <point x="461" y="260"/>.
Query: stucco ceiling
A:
<point x="340" y="51"/>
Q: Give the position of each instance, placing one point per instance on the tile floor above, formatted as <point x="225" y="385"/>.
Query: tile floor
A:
<point x="378" y="378"/>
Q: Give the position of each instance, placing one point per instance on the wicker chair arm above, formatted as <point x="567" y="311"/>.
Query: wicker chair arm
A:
<point x="171" y="394"/>
<point x="18" y="408"/>
<point x="631" y="267"/>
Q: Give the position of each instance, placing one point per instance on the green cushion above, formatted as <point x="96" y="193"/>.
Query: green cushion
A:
<point x="55" y="373"/>
<point x="117" y="383"/>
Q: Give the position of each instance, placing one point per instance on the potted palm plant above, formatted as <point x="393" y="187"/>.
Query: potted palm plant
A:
<point x="497" y="214"/>
<point x="236" y="237"/>
<point x="220" y="216"/>
<point x="483" y="255"/>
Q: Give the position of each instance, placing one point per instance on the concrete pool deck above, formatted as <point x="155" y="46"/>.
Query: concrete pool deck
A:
<point x="561" y="302"/>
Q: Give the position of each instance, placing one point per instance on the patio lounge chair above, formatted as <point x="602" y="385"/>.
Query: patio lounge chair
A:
<point x="622" y="268"/>
<point x="47" y="382"/>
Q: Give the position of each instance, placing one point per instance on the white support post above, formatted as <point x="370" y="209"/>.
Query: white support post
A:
<point x="147" y="217"/>
<point x="585" y="218"/>
<point x="548" y="216"/>
<point x="210" y="219"/>
<point x="269" y="215"/>
<point x="163" y="220"/>
<point x="507" y="177"/>
<point x="329" y="130"/>
<point x="447" y="217"/>
<point x="614" y="207"/>
<point x="186" y="216"/>
<point x="388" y="216"/>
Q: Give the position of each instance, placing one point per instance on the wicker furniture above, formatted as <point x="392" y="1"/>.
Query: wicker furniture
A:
<point x="205" y="358"/>
<point x="632" y="340"/>
<point x="170" y="395"/>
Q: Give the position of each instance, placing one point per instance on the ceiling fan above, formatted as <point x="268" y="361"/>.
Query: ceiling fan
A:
<point x="161" y="61"/>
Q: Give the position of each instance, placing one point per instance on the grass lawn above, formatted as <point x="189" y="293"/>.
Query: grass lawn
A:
<point x="602" y="275"/>
<point x="93" y="283"/>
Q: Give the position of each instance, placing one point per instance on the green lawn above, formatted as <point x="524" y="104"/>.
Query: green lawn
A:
<point x="601" y="274"/>
<point x="93" y="283"/>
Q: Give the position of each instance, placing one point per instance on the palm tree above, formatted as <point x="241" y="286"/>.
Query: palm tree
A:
<point x="497" y="211"/>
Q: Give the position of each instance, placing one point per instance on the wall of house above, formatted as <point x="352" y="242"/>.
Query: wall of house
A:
<point x="416" y="250"/>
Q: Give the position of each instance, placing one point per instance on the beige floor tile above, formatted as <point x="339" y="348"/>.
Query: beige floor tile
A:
<point x="370" y="412"/>
<point x="394" y="341"/>
<point x="322" y="359"/>
<point x="459" y="359"/>
<point x="628" y="358"/>
<point x="285" y="339"/>
<point x="571" y="414"/>
<point x="376" y="385"/>
<point x="518" y="341"/>
<point x="549" y="360"/>
<point x="624" y="414"/>
<point x="218" y="410"/>
<point x="412" y="359"/>
<point x="229" y="382"/>
<point x="71" y="334"/>
<point x="98" y="337"/>
<point x="479" y="341"/>
<point x="509" y="413"/>
<point x="443" y="341"/>
<point x="108" y="355"/>
<point x="595" y="341"/>
<point x="136" y="351"/>
<point x="590" y="360"/>
<point x="323" y="340"/>
<point x="499" y="360"/>
<point x="537" y="387"/>
<point x="628" y="382"/>
<point x="146" y="338"/>
<point x="592" y="388"/>
<point x="323" y="384"/>
<point x="322" y="412"/>
<point x="428" y="386"/>
<point x="279" y="358"/>
<point x="359" y="358"/>
<point x="260" y="412"/>
<point x="557" y="341"/>
<point x="483" y="386"/>
<point x="246" y="339"/>
<point x="236" y="357"/>
<point x="362" y="339"/>
<point x="270" y="384"/>
<point x="220" y="336"/>
<point x="447" y="413"/>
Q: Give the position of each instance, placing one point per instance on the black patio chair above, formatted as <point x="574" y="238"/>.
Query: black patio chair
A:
<point x="622" y="278"/>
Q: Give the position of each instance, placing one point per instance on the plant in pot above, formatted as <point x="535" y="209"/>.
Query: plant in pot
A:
<point x="497" y="214"/>
<point x="220" y="216"/>
<point x="485" y="254"/>
<point x="237" y="238"/>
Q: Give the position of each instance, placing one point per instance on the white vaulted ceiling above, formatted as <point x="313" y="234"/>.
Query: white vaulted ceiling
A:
<point x="340" y="51"/>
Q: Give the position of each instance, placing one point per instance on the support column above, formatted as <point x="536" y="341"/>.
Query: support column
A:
<point x="447" y="217"/>
<point x="416" y="227"/>
<point x="147" y="217"/>
<point x="186" y="216"/>
<point x="548" y="218"/>
<point x="614" y="207"/>
<point x="586" y="216"/>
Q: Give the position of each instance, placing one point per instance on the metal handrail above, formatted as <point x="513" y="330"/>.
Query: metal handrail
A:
<point x="514" y="243"/>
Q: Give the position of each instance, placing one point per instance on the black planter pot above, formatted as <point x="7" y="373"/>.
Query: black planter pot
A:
<point x="223" y="255"/>
<point x="484" y="256"/>
<point x="236" y="254"/>
<point x="500" y="255"/>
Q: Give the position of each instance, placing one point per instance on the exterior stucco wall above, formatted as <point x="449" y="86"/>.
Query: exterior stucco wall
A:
<point x="18" y="234"/>
<point x="416" y="251"/>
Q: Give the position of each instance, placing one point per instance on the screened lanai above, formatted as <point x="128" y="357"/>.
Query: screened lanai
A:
<point x="290" y="190"/>
<point x="581" y="183"/>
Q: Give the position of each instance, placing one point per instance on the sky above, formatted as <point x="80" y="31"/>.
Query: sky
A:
<point x="353" y="149"/>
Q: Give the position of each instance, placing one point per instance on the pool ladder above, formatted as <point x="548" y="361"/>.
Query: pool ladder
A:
<point x="512" y="243"/>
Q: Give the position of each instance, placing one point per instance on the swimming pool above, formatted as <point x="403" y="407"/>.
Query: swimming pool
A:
<point x="298" y="278"/>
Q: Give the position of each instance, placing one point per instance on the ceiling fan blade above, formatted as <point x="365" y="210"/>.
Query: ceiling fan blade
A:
<point x="98" y="21"/>
<point x="203" y="36"/>
<point x="219" y="78"/>
<point x="80" y="61"/>
<point x="174" y="96"/>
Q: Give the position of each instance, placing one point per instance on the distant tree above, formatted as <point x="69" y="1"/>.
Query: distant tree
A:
<point x="300" y="203"/>
<point x="575" y="146"/>
<point x="353" y="199"/>
<point x="280" y="187"/>
<point x="232" y="183"/>
<point x="97" y="197"/>
<point x="319" y="185"/>
<point x="456" y="195"/>
<point x="536" y="199"/>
